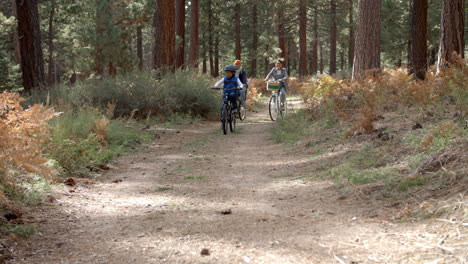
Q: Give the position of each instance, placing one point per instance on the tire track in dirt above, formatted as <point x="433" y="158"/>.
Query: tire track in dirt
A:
<point x="167" y="209"/>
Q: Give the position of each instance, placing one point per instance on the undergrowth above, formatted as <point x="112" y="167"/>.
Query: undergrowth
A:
<point x="388" y="131"/>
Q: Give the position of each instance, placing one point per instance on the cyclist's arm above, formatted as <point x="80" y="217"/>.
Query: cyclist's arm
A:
<point x="285" y="77"/>
<point x="239" y="83"/>
<point x="219" y="82"/>
<point x="269" y="74"/>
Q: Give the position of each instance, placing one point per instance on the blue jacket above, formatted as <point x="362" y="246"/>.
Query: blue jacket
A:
<point x="243" y="76"/>
<point x="230" y="83"/>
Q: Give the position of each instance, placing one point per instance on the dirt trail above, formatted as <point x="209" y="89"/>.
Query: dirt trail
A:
<point x="167" y="209"/>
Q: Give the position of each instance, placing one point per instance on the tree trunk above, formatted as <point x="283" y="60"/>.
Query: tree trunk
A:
<point x="266" y="60"/>
<point x="50" y="70"/>
<point x="140" y="48"/>
<point x="180" y="27"/>
<point x="102" y="15"/>
<point x="367" y="53"/>
<point x="321" y="58"/>
<point x="282" y="36"/>
<point x="238" y="31"/>
<point x="253" y="70"/>
<point x="216" y="59"/>
<point x="351" y="35"/>
<point x="452" y="32"/>
<point x="303" y="38"/>
<point x="333" y="37"/>
<point x="167" y="29"/>
<point x="32" y="61"/>
<point x="419" y="39"/>
<point x="342" y="61"/>
<point x="314" y="59"/>
<point x="204" y="66"/>
<point x="16" y="38"/>
<point x="156" y="37"/>
<point x="210" y="37"/>
<point x="194" y="13"/>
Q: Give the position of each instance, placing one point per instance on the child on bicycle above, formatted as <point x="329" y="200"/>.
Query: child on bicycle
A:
<point x="231" y="84"/>
<point x="279" y="74"/>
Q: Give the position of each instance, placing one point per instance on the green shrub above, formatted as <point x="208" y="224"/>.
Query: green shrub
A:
<point x="76" y="143"/>
<point x="183" y="92"/>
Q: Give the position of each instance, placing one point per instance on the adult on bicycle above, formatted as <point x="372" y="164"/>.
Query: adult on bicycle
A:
<point x="242" y="75"/>
<point x="279" y="74"/>
<point x="231" y="85"/>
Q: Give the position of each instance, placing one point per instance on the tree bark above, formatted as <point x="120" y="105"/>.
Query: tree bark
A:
<point x="451" y="33"/>
<point x="16" y="37"/>
<point x="419" y="39"/>
<point x="303" y="38"/>
<point x="180" y="27"/>
<point x="210" y="37"/>
<point x="167" y="29"/>
<point x="333" y="37"/>
<point x="156" y="37"/>
<point x="140" y="48"/>
<point x="194" y="27"/>
<point x="266" y="61"/>
<point x="314" y="59"/>
<point x="32" y="61"/>
<point x="282" y="36"/>
<point x="367" y="53"/>
<point x="238" y="31"/>
<point x="351" y="35"/>
<point x="50" y="71"/>
<point x="253" y="70"/>
<point x="321" y="58"/>
<point x="216" y="59"/>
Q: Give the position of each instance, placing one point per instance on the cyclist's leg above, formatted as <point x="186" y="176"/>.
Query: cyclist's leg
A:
<point x="233" y="99"/>
<point x="282" y="93"/>
<point x="243" y="95"/>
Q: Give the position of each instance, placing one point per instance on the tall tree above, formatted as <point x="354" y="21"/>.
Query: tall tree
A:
<point x="32" y="62"/>
<point x="451" y="32"/>
<point x="16" y="37"/>
<point x="194" y="27"/>
<point x="140" y="47"/>
<point x="419" y="39"/>
<point x="156" y="36"/>
<point x="238" y="31"/>
<point x="210" y="37"/>
<point x="282" y="35"/>
<point x="367" y="53"/>
<point x="167" y="30"/>
<point x="303" y="38"/>
<point x="180" y="27"/>
<point x="333" y="36"/>
<point x="351" y="35"/>
<point x="314" y="57"/>
<point x="50" y="71"/>
<point x="253" y="69"/>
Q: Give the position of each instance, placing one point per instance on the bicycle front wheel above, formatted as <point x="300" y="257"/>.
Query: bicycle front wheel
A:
<point x="273" y="107"/>
<point x="283" y="107"/>
<point x="232" y="122"/>
<point x="224" y="119"/>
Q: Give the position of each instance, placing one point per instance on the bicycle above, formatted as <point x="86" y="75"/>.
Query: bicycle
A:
<point x="276" y="106"/>
<point x="227" y="115"/>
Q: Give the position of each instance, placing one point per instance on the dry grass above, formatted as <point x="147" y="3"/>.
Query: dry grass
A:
<point x="361" y="103"/>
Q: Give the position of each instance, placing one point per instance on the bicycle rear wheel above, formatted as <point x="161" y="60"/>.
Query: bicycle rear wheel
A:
<point x="273" y="107"/>
<point x="242" y="113"/>
<point x="224" y="119"/>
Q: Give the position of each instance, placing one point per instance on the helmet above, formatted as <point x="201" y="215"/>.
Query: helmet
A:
<point x="231" y="68"/>
<point x="238" y="62"/>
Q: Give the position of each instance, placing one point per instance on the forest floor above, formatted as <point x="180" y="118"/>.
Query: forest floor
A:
<point x="237" y="198"/>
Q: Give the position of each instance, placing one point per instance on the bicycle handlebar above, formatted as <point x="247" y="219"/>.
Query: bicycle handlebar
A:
<point x="217" y="88"/>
